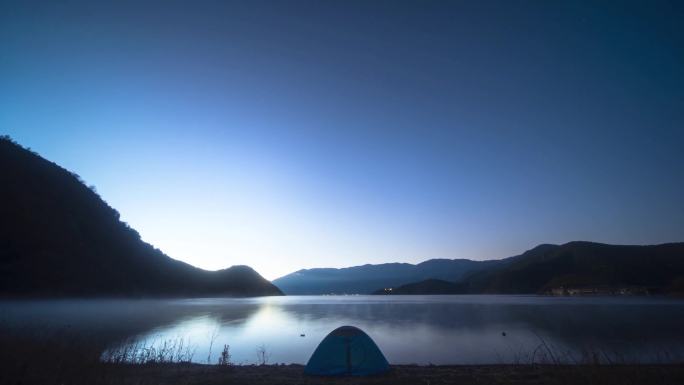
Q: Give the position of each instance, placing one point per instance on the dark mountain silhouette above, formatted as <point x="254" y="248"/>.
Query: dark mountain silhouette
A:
<point x="59" y="238"/>
<point x="429" y="286"/>
<point x="658" y="268"/>
<point x="368" y="278"/>
<point x="591" y="267"/>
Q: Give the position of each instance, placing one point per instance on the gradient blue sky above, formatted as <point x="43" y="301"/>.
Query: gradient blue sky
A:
<point x="287" y="135"/>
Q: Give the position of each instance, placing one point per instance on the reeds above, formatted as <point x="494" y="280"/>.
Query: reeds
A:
<point x="171" y="351"/>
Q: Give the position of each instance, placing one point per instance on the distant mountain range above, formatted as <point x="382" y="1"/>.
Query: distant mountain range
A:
<point x="592" y="267"/>
<point x="369" y="278"/>
<point x="429" y="286"/>
<point x="59" y="238"/>
<point x="657" y="268"/>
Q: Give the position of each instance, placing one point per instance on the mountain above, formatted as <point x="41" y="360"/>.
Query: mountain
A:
<point x="589" y="265"/>
<point x="574" y="267"/>
<point x="59" y="238"/>
<point x="368" y="278"/>
<point x="429" y="286"/>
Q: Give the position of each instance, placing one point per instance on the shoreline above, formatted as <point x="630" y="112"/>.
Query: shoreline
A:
<point x="196" y="374"/>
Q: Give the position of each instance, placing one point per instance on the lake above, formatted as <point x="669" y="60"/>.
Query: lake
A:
<point x="459" y="329"/>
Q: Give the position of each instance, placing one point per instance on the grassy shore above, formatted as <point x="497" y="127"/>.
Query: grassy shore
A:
<point x="68" y="360"/>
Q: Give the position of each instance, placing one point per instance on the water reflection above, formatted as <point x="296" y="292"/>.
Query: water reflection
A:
<point x="416" y="329"/>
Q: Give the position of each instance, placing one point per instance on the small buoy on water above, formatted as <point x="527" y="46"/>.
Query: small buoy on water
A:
<point x="302" y="335"/>
<point x="503" y="334"/>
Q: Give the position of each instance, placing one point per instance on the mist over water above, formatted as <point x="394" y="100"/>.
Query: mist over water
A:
<point x="481" y="329"/>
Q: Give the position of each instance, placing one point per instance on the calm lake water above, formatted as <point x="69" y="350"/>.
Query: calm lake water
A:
<point x="463" y="329"/>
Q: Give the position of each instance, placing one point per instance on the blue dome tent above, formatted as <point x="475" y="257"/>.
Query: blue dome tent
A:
<point x="349" y="351"/>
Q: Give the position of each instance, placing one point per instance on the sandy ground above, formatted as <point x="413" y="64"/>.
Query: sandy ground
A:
<point x="186" y="374"/>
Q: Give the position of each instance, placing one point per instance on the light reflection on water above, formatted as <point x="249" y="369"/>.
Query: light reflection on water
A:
<point x="408" y="329"/>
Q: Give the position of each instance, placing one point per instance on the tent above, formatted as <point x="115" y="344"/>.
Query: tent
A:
<point x="347" y="350"/>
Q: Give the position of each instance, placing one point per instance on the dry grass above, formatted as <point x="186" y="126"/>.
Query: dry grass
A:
<point x="164" y="352"/>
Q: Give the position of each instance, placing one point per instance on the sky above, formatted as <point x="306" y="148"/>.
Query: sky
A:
<point x="295" y="134"/>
